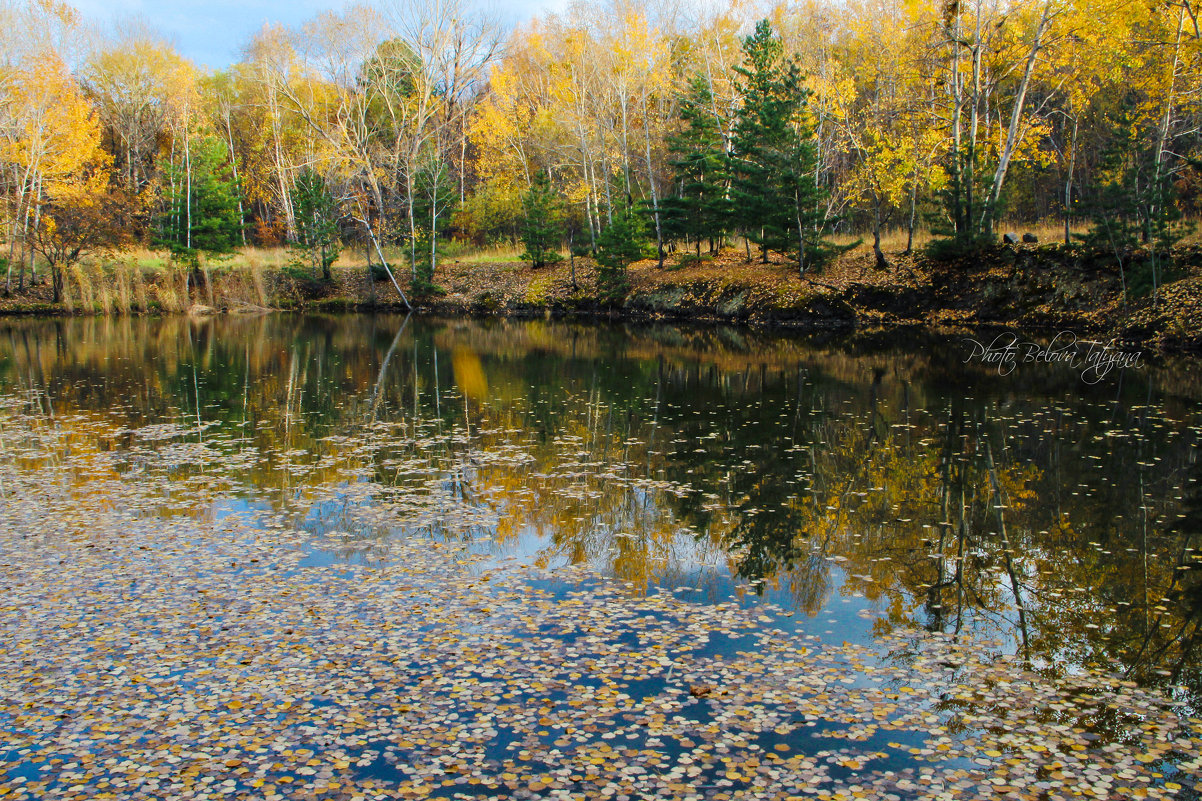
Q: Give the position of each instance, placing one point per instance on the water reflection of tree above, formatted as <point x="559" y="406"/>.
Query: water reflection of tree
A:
<point x="651" y="451"/>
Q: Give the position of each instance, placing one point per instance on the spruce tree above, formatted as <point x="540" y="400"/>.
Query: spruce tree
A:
<point x="542" y="223"/>
<point x="776" y="200"/>
<point x="623" y="242"/>
<point x="434" y="200"/>
<point x="204" y="217"/>
<point x="701" y="207"/>
<point x="316" y="211"/>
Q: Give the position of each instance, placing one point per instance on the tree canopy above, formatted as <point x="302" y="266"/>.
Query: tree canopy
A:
<point x="830" y="115"/>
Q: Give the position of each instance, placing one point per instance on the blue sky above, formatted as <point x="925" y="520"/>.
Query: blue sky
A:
<point x="213" y="32"/>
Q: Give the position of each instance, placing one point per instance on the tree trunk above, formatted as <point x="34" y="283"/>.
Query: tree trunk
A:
<point x="1012" y="131"/>
<point x="572" y="256"/>
<point x="229" y="135"/>
<point x="1161" y="148"/>
<point x="412" y="219"/>
<point x="881" y="263"/>
<point x="37" y="220"/>
<point x="188" y="178"/>
<point x="1068" y="182"/>
<point x="957" y="177"/>
<point x="281" y="173"/>
<point x="463" y="162"/>
<point x="801" y="237"/>
<point x="659" y="236"/>
<point x="913" y="212"/>
<point x="974" y="125"/>
<point x="434" y="229"/>
<point x="383" y="261"/>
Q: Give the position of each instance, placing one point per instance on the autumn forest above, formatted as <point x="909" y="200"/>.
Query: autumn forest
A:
<point x="616" y="131"/>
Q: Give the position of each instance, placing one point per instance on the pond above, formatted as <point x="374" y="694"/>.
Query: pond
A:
<point x="371" y="556"/>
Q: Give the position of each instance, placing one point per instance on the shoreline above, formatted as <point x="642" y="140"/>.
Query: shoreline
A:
<point x="1030" y="290"/>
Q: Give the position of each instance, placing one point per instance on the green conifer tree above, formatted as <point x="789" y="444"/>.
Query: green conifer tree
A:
<point x="434" y="202"/>
<point x="206" y="218"/>
<point x="701" y="206"/>
<point x="317" y="242"/>
<point x="1137" y="220"/>
<point x="542" y="223"/>
<point x="623" y="242"/>
<point x="775" y="198"/>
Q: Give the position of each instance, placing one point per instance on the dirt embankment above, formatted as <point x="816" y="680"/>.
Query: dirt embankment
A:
<point x="1027" y="288"/>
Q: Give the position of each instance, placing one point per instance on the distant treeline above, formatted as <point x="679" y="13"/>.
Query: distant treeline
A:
<point x="614" y="128"/>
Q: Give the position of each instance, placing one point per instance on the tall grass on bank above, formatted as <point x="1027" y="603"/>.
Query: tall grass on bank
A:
<point x="124" y="290"/>
<point x="87" y="294"/>
<point x="260" y="284"/>
<point x="104" y="296"/>
<point x="142" y="281"/>
<point x="170" y="292"/>
<point x="68" y="296"/>
<point x="208" y="274"/>
<point x="139" y="279"/>
<point x="249" y="285"/>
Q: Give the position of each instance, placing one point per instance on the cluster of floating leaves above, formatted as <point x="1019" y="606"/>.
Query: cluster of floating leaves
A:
<point x="153" y="651"/>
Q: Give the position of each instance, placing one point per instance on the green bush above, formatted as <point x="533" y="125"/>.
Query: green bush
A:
<point x="693" y="260"/>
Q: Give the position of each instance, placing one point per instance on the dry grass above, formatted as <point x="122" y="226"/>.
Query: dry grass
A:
<point x="169" y="292"/>
<point x="87" y="296"/>
<point x="239" y="288"/>
<point x="351" y="256"/>
<point x="893" y="240"/>
<point x="104" y="298"/>
<point x="260" y="284"/>
<point x="155" y="261"/>
<point x="150" y="260"/>
<point x="68" y="296"/>
<point x="259" y="260"/>
<point x="208" y="274"/>
<point x="500" y="253"/>
<point x="143" y="280"/>
<point x="124" y="290"/>
<point x="139" y="278"/>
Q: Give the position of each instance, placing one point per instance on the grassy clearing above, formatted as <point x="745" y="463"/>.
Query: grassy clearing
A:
<point x="893" y="240"/>
<point x="500" y="253"/>
<point x="155" y="261"/>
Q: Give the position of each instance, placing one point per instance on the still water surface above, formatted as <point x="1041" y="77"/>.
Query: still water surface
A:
<point x="864" y="486"/>
<point x="372" y="558"/>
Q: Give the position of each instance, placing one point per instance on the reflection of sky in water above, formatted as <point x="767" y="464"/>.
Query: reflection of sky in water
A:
<point x="846" y="616"/>
<point x="768" y="470"/>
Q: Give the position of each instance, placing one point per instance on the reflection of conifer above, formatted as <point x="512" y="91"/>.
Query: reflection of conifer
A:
<point x="1189" y="528"/>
